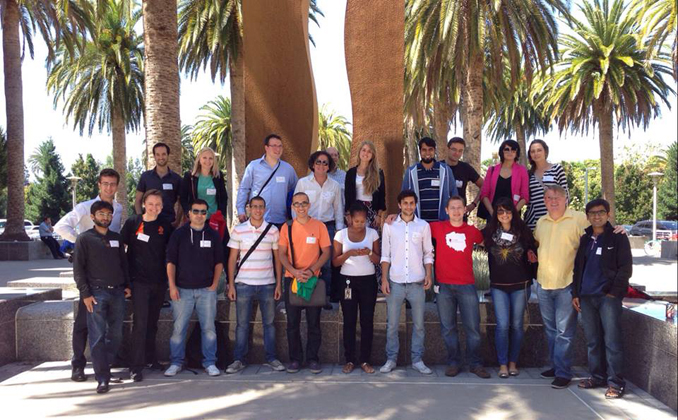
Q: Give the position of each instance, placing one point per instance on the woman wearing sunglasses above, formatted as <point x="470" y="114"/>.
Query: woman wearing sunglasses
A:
<point x="507" y="179"/>
<point x="507" y="241"/>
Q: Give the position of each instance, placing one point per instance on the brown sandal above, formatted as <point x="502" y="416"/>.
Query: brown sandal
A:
<point x="590" y="383"/>
<point x="613" y="393"/>
<point x="367" y="368"/>
<point x="348" y="368"/>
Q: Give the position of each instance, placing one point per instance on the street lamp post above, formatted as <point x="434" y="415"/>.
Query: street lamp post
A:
<point x="586" y="184"/>
<point x="655" y="179"/>
<point x="74" y="184"/>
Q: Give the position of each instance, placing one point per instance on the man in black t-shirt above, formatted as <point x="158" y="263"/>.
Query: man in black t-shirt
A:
<point x="463" y="172"/>
<point x="146" y="237"/>
<point x="163" y="179"/>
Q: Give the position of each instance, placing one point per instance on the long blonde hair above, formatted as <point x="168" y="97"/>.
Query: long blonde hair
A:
<point x="372" y="181"/>
<point x="197" y="168"/>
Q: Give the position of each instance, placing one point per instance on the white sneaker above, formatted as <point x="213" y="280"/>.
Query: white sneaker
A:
<point x="421" y="368"/>
<point x="388" y="366"/>
<point x="173" y="370"/>
<point x="212" y="370"/>
<point x="276" y="365"/>
<point x="235" y="367"/>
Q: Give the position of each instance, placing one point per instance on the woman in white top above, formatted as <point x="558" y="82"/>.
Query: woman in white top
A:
<point x="356" y="251"/>
<point x="542" y="173"/>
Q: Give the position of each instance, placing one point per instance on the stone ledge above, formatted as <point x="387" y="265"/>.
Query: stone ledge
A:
<point x="24" y="251"/>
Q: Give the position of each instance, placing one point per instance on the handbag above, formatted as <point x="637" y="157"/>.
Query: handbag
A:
<point x="318" y="296"/>
<point x="482" y="210"/>
<point x="251" y="250"/>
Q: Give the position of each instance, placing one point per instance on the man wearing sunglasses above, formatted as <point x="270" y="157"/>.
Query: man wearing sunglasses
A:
<point x="194" y="265"/>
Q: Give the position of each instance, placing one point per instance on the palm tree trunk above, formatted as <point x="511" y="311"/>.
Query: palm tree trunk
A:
<point x="606" y="139"/>
<point x="161" y="75"/>
<point x="520" y="135"/>
<point x="237" y="161"/>
<point x="11" y="47"/>
<point x="472" y="92"/>
<point x="120" y="158"/>
<point x="441" y="126"/>
<point x="410" y="143"/>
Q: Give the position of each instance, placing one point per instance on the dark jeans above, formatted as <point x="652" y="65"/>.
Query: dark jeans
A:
<point x="326" y="272"/>
<point x="465" y="298"/>
<point x="293" y="329"/>
<point x="601" y="319"/>
<point x="79" y="337"/>
<point x="147" y="299"/>
<point x="53" y="246"/>
<point x="363" y="296"/>
<point x="105" y="329"/>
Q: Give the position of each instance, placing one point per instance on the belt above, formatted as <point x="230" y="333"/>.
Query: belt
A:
<point x="108" y="287"/>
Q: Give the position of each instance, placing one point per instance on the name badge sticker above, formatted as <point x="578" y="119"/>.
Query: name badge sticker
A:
<point x="548" y="178"/>
<point x="599" y="251"/>
<point x="114" y="244"/>
<point x="280" y="179"/>
<point x="211" y="191"/>
<point x="435" y="182"/>
<point x="516" y="197"/>
<point x="311" y="239"/>
<point x="459" y="183"/>
<point x="506" y="236"/>
<point x="205" y="244"/>
<point x="167" y="187"/>
<point x="143" y="237"/>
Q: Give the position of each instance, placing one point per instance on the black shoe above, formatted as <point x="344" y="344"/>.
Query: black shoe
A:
<point x="103" y="388"/>
<point x="548" y="374"/>
<point x="560" y="383"/>
<point x="156" y="366"/>
<point x="136" y="376"/>
<point x="78" y="374"/>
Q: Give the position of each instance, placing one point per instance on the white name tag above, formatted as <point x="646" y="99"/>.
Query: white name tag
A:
<point x="167" y="187"/>
<point x="459" y="183"/>
<point x="311" y="239"/>
<point x="516" y="197"/>
<point x="211" y="191"/>
<point x="435" y="182"/>
<point x="506" y="236"/>
<point x="114" y="244"/>
<point x="143" y="237"/>
<point x="205" y="244"/>
<point x="436" y="289"/>
<point x="280" y="179"/>
<point x="599" y="251"/>
<point x="548" y="178"/>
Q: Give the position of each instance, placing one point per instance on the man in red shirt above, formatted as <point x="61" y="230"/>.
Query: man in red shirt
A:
<point x="454" y="240"/>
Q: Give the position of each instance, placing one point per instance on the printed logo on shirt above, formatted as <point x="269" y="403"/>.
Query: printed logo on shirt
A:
<point x="456" y="241"/>
<point x="161" y="230"/>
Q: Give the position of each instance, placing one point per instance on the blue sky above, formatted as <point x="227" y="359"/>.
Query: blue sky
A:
<point x="42" y="120"/>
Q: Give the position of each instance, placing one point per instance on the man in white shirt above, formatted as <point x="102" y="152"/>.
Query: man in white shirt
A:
<point x="407" y="258"/>
<point x="326" y="202"/>
<point x="69" y="227"/>
<point x="255" y="279"/>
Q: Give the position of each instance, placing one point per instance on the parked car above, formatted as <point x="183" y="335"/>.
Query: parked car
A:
<point x="666" y="229"/>
<point x="28" y="225"/>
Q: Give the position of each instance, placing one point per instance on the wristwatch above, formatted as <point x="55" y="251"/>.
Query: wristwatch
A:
<point x="370" y="254"/>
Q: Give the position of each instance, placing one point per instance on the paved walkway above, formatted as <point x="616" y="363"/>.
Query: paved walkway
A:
<point x="257" y="392"/>
<point x="35" y="270"/>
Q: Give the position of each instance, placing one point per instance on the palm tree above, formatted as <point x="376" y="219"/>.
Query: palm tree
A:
<point x="161" y="77"/>
<point x="56" y="22"/>
<point x="456" y="43"/>
<point x="658" y="21"/>
<point x="606" y="78"/>
<point x="333" y="132"/>
<point x="103" y="86"/>
<point x="187" y="150"/>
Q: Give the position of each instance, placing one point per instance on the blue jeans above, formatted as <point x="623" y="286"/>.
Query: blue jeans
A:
<point x="560" y="324"/>
<point x="104" y="326"/>
<point x="509" y="309"/>
<point x="601" y="319"/>
<point x="414" y="293"/>
<point x="466" y="298"/>
<point x="326" y="271"/>
<point x="245" y="294"/>
<point x="204" y="302"/>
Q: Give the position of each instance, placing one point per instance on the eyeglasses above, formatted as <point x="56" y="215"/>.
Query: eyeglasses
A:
<point x="105" y="215"/>
<point x="300" y="204"/>
<point x="597" y="213"/>
<point x="508" y="149"/>
<point x="108" y="184"/>
<point x="503" y="211"/>
<point x="258" y="207"/>
<point x="322" y="162"/>
<point x="200" y="212"/>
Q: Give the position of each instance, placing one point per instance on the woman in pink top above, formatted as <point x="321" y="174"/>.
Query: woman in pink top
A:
<point x="506" y="179"/>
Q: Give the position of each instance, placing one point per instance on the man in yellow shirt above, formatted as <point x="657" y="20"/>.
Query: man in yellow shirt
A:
<point x="558" y="236"/>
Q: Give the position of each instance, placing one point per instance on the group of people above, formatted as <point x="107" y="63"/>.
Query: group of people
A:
<point x="326" y="237"/>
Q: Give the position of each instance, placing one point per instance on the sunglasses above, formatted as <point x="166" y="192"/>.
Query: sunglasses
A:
<point x="200" y="212"/>
<point x="322" y="162"/>
<point x="300" y="204"/>
<point x="508" y="149"/>
<point x="503" y="211"/>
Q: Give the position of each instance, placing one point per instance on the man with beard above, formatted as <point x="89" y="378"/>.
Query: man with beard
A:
<point x="433" y="182"/>
<point x="163" y="179"/>
<point x="100" y="272"/>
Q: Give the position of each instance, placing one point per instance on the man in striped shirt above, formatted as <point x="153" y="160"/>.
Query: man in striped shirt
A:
<point x="256" y="279"/>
